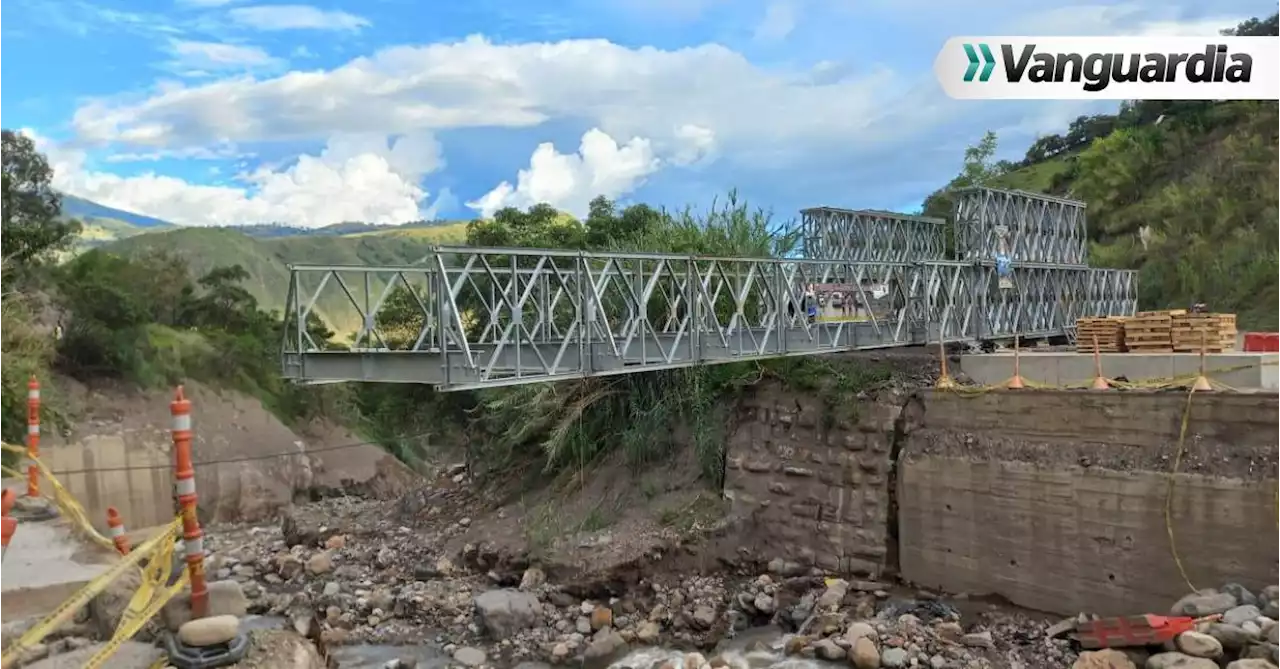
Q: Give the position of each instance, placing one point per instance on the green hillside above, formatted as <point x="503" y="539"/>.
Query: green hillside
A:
<point x="267" y="260"/>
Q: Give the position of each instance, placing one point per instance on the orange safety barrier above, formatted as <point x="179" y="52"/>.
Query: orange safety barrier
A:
<point x="1262" y="342"/>
<point x="33" y="436"/>
<point x="1131" y="631"/>
<point x="10" y="524"/>
<point x="185" y="483"/>
<point x="115" y="527"/>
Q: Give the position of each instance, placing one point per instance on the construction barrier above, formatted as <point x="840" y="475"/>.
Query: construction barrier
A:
<point x="158" y="551"/>
<point x="155" y="589"/>
<point x="33" y="436"/>
<point x="10" y="524"/>
<point x="1262" y="342"/>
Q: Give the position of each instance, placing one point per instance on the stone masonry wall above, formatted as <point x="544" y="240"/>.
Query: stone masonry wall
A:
<point x="812" y="480"/>
<point x="1056" y="500"/>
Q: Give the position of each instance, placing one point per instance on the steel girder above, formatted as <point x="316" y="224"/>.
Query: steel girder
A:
<point x="871" y="236"/>
<point x="1025" y="227"/>
<point x="476" y="317"/>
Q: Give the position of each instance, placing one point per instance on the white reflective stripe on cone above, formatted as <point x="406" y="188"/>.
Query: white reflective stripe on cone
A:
<point x="186" y="486"/>
<point x="116" y="531"/>
<point x="181" y="422"/>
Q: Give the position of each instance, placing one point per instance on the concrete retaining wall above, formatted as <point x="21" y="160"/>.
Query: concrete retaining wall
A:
<point x="1244" y="371"/>
<point x="1052" y="499"/>
<point x="1055" y="500"/>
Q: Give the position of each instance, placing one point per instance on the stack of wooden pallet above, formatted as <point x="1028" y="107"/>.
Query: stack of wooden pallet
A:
<point x="1151" y="331"/>
<point x="1214" y="332"/>
<point x="1108" y="332"/>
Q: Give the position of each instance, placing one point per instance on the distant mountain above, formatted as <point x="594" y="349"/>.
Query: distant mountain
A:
<point x="273" y="230"/>
<point x="82" y="209"/>
<point x="267" y="259"/>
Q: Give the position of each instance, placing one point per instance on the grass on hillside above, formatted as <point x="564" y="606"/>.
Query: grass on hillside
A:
<point x="267" y="262"/>
<point x="449" y="233"/>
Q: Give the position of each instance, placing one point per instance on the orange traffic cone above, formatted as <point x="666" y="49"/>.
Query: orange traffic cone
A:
<point x="10" y="524"/>
<point x="945" y="382"/>
<point x="1099" y="381"/>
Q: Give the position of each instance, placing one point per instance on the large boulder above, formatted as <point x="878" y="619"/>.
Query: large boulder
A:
<point x="226" y="598"/>
<point x="504" y="612"/>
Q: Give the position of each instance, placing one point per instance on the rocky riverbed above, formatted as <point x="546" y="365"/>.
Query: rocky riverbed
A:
<point x="370" y="589"/>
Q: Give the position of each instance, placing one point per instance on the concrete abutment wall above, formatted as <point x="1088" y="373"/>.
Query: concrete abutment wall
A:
<point x="1054" y="500"/>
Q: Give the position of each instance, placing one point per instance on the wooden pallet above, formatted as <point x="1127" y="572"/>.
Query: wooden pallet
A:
<point x="1108" y="332"/>
<point x="1214" y="333"/>
<point x="1150" y="331"/>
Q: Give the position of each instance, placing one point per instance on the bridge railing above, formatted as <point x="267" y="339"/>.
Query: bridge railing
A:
<point x="467" y="317"/>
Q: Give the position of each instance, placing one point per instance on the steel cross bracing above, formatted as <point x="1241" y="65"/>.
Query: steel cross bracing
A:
<point x="844" y="234"/>
<point x="1036" y="228"/>
<point x="475" y="317"/>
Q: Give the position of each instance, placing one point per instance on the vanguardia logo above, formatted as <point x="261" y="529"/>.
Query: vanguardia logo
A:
<point x="988" y="62"/>
<point x="1096" y="71"/>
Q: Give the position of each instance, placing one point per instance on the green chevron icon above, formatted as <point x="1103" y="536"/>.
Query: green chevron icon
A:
<point x="987" y="57"/>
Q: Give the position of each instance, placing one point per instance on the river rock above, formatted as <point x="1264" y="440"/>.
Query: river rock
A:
<point x="469" y="657"/>
<point x="601" y="617"/>
<point x="1231" y="637"/>
<point x="320" y="563"/>
<point x="226" y="598"/>
<point x="893" y="658"/>
<point x="209" y="631"/>
<point x="1240" y="615"/>
<point x="864" y="654"/>
<point x="106" y="609"/>
<point x="1242" y="594"/>
<point x="1196" y="644"/>
<point x="828" y="650"/>
<point x="1251" y="663"/>
<point x="1179" y="661"/>
<point x="504" y="612"/>
<point x="602" y="650"/>
<point x="859" y="630"/>
<point x="1108" y="658"/>
<point x="1204" y="603"/>
<point x="648" y="632"/>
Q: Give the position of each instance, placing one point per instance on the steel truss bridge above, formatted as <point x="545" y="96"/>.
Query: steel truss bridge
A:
<point x="467" y="317"/>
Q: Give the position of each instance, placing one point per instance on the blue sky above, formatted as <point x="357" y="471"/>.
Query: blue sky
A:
<point x="233" y="111"/>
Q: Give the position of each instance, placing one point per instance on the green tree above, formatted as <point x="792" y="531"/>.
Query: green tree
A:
<point x="979" y="168"/>
<point x="31" y="228"/>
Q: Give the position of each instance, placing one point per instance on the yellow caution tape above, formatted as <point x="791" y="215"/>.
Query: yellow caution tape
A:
<point x="154" y="576"/>
<point x="126" y="632"/>
<point x="67" y="610"/>
<point x="65" y="501"/>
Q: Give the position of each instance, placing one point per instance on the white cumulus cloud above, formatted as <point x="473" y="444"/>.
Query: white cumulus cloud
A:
<point x="190" y="56"/>
<point x="355" y="178"/>
<point x="646" y="92"/>
<point x="295" y="17"/>
<point x="569" y="181"/>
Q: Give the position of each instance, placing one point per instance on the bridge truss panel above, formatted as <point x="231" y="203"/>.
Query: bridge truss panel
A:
<point x="480" y="317"/>
<point x="1024" y="227"/>
<point x="871" y="236"/>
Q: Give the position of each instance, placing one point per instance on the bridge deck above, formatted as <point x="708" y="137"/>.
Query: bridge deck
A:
<point x="474" y="317"/>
